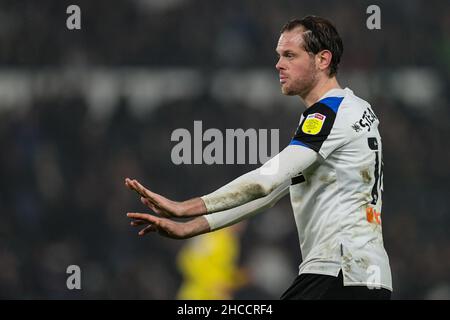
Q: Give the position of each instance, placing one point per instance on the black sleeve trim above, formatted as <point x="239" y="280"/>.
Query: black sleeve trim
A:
<point x="319" y="120"/>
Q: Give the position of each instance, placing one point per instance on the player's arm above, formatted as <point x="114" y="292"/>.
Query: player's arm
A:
<point x="261" y="182"/>
<point x="222" y="219"/>
<point x="207" y="223"/>
<point x="250" y="186"/>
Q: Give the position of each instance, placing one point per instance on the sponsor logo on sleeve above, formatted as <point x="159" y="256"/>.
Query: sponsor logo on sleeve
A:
<point x="313" y="123"/>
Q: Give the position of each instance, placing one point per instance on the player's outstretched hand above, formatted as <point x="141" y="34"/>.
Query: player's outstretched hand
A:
<point x="156" y="202"/>
<point x="168" y="228"/>
<point x="165" y="207"/>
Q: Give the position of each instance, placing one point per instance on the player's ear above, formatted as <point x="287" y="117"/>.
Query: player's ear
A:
<point x="323" y="59"/>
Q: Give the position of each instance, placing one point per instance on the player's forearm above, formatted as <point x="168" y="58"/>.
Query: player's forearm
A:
<point x="240" y="191"/>
<point x="262" y="181"/>
<point x="222" y="219"/>
<point x="232" y="216"/>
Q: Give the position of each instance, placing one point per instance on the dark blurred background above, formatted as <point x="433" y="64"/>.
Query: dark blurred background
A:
<point x="80" y="110"/>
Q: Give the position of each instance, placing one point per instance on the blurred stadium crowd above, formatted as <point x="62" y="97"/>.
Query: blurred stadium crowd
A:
<point x="79" y="112"/>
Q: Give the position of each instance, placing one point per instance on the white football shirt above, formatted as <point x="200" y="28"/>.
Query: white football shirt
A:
<point x="337" y="201"/>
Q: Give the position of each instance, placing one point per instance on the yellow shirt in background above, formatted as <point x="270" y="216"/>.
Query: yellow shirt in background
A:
<point x="209" y="265"/>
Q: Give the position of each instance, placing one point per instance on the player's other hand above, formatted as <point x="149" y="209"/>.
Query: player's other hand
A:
<point x="168" y="228"/>
<point x="157" y="203"/>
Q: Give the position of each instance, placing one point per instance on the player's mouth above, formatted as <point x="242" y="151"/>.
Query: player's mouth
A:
<point x="283" y="79"/>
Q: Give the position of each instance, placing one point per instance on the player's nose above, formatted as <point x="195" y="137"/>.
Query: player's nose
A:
<point x="279" y="66"/>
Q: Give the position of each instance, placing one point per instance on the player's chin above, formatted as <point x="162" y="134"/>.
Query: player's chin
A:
<point x="287" y="91"/>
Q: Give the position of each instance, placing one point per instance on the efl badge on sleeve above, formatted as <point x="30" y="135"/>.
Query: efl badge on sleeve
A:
<point x="313" y="123"/>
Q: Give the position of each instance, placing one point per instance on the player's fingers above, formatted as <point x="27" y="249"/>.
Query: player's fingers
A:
<point x="150" y="204"/>
<point x="132" y="186"/>
<point x="144" y="191"/>
<point x="135" y="223"/>
<point x="146" y="202"/>
<point x="142" y="216"/>
<point x="150" y="228"/>
<point x="129" y="184"/>
<point x="135" y="187"/>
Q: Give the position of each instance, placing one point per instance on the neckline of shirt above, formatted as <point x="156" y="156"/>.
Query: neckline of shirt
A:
<point x="335" y="92"/>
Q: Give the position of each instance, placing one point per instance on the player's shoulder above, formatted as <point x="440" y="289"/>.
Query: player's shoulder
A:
<point x="336" y="105"/>
<point x="338" y="101"/>
<point x="333" y="121"/>
<point x="347" y="106"/>
<point x="326" y="109"/>
<point x="330" y="103"/>
<point x="354" y="104"/>
<point x="357" y="115"/>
